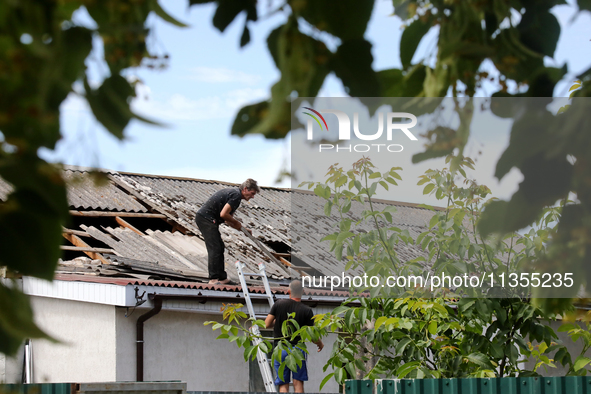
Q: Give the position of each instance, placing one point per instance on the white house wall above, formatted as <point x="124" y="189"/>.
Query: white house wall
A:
<point x="177" y="346"/>
<point x="86" y="331"/>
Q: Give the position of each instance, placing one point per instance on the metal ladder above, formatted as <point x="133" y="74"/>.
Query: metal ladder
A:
<point x="263" y="361"/>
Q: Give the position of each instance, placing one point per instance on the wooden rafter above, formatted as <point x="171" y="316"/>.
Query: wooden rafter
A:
<point x="123" y="223"/>
<point x="75" y="240"/>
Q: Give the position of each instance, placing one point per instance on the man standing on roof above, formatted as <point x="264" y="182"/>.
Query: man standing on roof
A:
<point x="304" y="317"/>
<point x="219" y="208"/>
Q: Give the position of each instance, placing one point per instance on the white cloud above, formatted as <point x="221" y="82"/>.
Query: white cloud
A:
<point x="180" y="107"/>
<point x="222" y="75"/>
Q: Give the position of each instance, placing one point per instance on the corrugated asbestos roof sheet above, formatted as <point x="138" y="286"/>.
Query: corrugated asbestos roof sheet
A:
<point x="84" y="194"/>
<point x="292" y="221"/>
<point x="310" y="224"/>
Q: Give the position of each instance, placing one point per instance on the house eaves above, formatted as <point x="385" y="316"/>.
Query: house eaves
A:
<point x="178" y="296"/>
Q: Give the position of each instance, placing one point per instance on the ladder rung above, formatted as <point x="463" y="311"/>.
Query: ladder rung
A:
<point x="259" y="296"/>
<point x="251" y="274"/>
<point x="266" y="370"/>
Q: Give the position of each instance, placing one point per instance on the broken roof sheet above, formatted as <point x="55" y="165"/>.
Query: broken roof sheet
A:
<point x="180" y="251"/>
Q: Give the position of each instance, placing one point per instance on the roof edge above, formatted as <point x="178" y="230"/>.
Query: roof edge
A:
<point x="380" y="200"/>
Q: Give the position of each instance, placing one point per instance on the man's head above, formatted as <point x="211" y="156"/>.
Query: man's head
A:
<point x="249" y="188"/>
<point x="295" y="289"/>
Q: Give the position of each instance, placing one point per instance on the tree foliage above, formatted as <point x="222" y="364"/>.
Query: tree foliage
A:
<point x="44" y="57"/>
<point x="414" y="331"/>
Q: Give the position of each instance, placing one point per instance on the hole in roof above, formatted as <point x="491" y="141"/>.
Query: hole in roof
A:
<point x="278" y="247"/>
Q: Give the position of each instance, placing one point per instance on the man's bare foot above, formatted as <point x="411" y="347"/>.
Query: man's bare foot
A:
<point x="219" y="282"/>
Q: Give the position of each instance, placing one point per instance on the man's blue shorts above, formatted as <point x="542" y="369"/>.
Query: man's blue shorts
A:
<point x="300" y="374"/>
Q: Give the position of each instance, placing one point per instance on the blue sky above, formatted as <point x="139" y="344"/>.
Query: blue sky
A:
<point x="210" y="78"/>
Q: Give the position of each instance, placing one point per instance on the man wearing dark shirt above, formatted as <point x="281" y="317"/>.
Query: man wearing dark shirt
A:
<point x="220" y="208"/>
<point x="304" y="317"/>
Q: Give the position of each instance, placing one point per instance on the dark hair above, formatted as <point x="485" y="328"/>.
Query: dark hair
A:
<point x="251" y="185"/>
<point x="296" y="288"/>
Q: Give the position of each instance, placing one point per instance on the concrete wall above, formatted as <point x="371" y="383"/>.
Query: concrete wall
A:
<point x="98" y="343"/>
<point x="177" y="346"/>
<point x="86" y="331"/>
<point x="11" y="369"/>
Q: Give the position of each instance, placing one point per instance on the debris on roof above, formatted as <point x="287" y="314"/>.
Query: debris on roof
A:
<point x="142" y="227"/>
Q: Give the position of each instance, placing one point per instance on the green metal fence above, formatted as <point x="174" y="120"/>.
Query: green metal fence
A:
<point x="173" y="387"/>
<point x="45" y="388"/>
<point x="538" y="385"/>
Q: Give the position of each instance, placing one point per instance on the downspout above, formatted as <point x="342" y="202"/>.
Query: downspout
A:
<point x="140" y="337"/>
<point x="157" y="298"/>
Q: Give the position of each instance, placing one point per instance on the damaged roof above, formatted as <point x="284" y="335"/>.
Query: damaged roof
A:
<point x="141" y="227"/>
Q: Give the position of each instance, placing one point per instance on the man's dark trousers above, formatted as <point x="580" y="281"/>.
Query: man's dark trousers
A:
<point x="215" y="247"/>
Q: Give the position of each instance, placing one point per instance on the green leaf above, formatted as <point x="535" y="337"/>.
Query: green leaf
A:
<point x="346" y="19"/>
<point x="346" y="207"/>
<point x="388" y="216"/>
<point x="567" y="327"/>
<point x="245" y="38"/>
<point x="356" y="243"/>
<point x="433" y="327"/>
<point x="228" y="10"/>
<point x="339" y="309"/>
<point x="291" y="363"/>
<point x="327" y="208"/>
<point x="326" y="379"/>
<point x="343" y="236"/>
<point x="110" y="104"/>
<point x="375" y="175"/>
<point x="352" y="64"/>
<point x="407" y="368"/>
<point x="155" y="6"/>
<point x="341" y="181"/>
<point x="429" y="188"/>
<point x="411" y="37"/>
<point x="380" y="321"/>
<point x="31" y="214"/>
<point x="320" y="191"/>
<point x="464" y="304"/>
<point x="539" y="30"/>
<point x="402" y="345"/>
<point x="480" y="359"/>
<point x="581" y="362"/>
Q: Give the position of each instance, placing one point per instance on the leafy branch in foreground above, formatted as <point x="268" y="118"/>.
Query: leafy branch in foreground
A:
<point x="45" y="58"/>
<point x="415" y="333"/>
